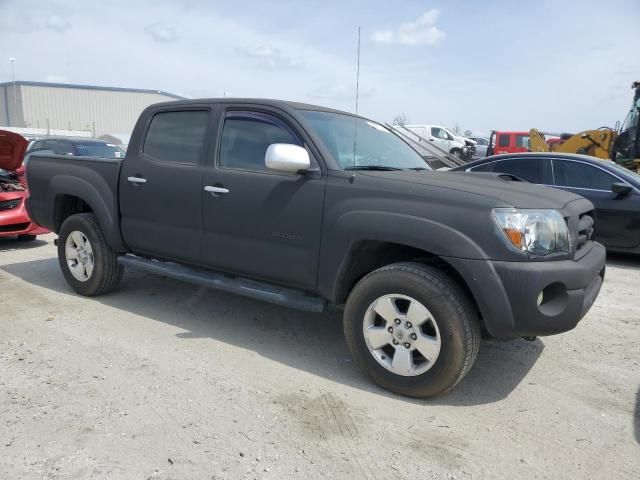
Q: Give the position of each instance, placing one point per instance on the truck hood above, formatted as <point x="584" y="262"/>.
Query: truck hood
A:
<point x="506" y="193"/>
<point x="12" y="149"/>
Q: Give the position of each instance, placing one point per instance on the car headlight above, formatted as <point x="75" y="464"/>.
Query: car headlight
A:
<point x="539" y="232"/>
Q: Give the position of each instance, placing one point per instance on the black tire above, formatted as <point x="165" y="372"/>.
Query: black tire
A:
<point x="456" y="152"/>
<point x="26" y="238"/>
<point x="450" y="306"/>
<point x="107" y="272"/>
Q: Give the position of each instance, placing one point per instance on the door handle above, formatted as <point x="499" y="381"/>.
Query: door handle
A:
<point x="136" y="180"/>
<point x="215" y="190"/>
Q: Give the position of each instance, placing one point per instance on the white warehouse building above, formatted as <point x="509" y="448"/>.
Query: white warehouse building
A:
<point x="50" y="108"/>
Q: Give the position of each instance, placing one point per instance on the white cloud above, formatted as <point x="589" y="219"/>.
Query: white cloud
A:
<point x="270" y="58"/>
<point x="421" y="31"/>
<point x="57" y="24"/>
<point x="56" y="79"/>
<point x="340" y="92"/>
<point x="161" y="32"/>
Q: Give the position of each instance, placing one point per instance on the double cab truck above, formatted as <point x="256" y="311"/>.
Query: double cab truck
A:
<point x="306" y="207"/>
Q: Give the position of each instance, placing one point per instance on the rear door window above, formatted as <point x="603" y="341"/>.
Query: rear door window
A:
<point x="177" y="137"/>
<point x="581" y="175"/>
<point x="534" y="170"/>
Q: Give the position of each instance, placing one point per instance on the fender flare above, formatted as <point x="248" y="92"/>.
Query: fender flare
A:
<point x="97" y="194"/>
<point x="407" y="230"/>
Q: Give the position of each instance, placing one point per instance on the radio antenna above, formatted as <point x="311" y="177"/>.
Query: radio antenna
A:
<point x="355" y="119"/>
<point x="358" y="73"/>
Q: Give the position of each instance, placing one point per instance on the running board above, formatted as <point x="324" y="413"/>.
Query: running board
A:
<point x="266" y="292"/>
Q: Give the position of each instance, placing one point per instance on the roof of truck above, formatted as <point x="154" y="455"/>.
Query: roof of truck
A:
<point x="257" y="101"/>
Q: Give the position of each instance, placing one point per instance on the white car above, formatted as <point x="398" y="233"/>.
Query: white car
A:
<point x="445" y="139"/>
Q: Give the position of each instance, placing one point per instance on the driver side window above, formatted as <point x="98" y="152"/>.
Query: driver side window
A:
<point x="439" y="133"/>
<point x="246" y="137"/>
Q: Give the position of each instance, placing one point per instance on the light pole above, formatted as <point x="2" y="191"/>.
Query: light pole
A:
<point x="15" y="95"/>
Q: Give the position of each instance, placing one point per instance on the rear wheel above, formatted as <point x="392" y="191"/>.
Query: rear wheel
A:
<point x="412" y="329"/>
<point x="86" y="259"/>
<point x="26" y="238"/>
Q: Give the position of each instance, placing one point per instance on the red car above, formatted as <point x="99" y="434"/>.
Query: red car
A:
<point x="508" y="142"/>
<point x="14" y="219"/>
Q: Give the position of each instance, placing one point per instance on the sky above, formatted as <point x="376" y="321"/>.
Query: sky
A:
<point x="559" y="66"/>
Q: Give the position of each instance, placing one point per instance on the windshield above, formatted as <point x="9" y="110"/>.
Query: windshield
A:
<point x="356" y="142"/>
<point x="633" y="117"/>
<point x="98" y="149"/>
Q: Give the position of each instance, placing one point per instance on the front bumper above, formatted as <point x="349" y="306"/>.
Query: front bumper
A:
<point x="16" y="221"/>
<point x="507" y="293"/>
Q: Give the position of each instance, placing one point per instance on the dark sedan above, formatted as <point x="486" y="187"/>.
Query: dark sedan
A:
<point x="614" y="190"/>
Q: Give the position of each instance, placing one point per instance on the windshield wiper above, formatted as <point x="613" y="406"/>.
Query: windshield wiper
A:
<point x="418" y="169"/>
<point x="383" y="168"/>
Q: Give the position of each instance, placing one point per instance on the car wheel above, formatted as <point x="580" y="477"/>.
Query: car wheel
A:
<point x="86" y="259"/>
<point x="456" y="152"/>
<point x="412" y="329"/>
<point x="26" y="238"/>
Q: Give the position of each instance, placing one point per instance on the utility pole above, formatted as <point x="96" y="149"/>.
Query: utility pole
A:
<point x="15" y="94"/>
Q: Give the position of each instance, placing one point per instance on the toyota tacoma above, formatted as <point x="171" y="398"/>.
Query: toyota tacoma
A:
<point x="305" y="206"/>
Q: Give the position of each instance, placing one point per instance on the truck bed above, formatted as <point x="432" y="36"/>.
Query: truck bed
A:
<point x="93" y="179"/>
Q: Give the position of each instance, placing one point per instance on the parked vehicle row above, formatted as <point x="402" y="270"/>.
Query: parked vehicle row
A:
<point x="282" y="202"/>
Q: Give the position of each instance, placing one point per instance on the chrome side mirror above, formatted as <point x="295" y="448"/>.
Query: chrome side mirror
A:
<point x="286" y="157"/>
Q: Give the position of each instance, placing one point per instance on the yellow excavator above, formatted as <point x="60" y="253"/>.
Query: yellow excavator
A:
<point x="620" y="145"/>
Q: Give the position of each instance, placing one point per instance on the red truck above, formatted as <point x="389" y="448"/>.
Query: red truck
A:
<point x="14" y="219"/>
<point x="508" y="142"/>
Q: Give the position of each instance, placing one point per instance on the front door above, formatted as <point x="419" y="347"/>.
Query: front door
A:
<point x="617" y="217"/>
<point x="161" y="185"/>
<point x="257" y="222"/>
<point x="441" y="138"/>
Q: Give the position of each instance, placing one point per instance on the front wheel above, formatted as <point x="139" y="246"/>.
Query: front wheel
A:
<point x="86" y="259"/>
<point x="412" y="329"/>
<point x="456" y="152"/>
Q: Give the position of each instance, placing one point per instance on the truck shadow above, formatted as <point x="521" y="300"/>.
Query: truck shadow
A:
<point x="306" y="341"/>
<point x="8" y="244"/>
<point x="624" y="261"/>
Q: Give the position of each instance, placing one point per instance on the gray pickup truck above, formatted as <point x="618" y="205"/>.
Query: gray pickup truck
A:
<point x="304" y="206"/>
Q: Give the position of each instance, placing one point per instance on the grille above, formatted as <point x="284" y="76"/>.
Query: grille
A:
<point x="14" y="227"/>
<point x="586" y="227"/>
<point x="10" y="204"/>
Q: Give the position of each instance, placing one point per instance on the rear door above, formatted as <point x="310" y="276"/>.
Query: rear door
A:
<point x="161" y="185"/>
<point x="617" y="217"/>
<point x="261" y="223"/>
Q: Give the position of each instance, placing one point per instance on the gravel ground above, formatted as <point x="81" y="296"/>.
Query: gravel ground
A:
<point x="162" y="379"/>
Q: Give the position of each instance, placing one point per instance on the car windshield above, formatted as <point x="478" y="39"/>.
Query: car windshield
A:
<point x="359" y="143"/>
<point x="98" y="149"/>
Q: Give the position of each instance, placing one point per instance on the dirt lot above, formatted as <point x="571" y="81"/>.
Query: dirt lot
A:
<point x="166" y="380"/>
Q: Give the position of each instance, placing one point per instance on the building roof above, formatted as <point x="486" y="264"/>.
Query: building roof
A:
<point x="88" y="87"/>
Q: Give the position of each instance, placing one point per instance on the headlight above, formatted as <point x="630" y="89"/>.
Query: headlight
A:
<point x="539" y="232"/>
